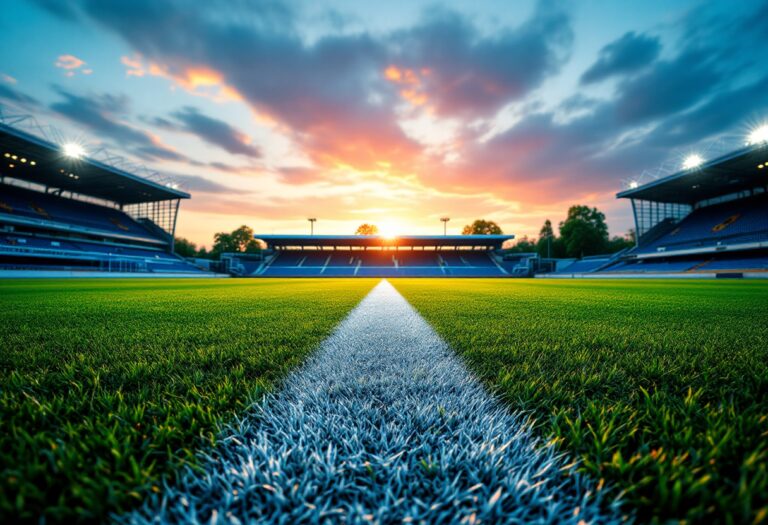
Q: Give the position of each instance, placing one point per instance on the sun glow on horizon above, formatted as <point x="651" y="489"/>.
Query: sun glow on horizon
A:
<point x="391" y="228"/>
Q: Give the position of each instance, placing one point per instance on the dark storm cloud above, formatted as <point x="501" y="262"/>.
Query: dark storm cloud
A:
<point x="101" y="115"/>
<point x="629" y="53"/>
<point x="213" y="131"/>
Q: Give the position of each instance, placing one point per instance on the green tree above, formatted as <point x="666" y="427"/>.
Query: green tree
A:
<point x="240" y="240"/>
<point x="584" y="232"/>
<point x="549" y="245"/>
<point x="546" y="238"/>
<point x="367" y="229"/>
<point x="523" y="245"/>
<point x="244" y="240"/>
<point x="618" y="243"/>
<point x="223" y="242"/>
<point x="482" y="227"/>
<point x="184" y="247"/>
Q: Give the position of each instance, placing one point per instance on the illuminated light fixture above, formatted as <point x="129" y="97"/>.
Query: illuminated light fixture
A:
<point x="11" y="166"/>
<point x="758" y="136"/>
<point x="633" y="184"/>
<point x="760" y="166"/>
<point x="7" y="155"/>
<point x="692" y="161"/>
<point x="14" y="157"/>
<point x="32" y="163"/>
<point x="23" y="160"/>
<point x="73" y="150"/>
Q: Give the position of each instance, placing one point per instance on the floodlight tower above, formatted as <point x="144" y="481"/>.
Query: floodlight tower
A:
<point x="312" y="221"/>
<point x="445" y="220"/>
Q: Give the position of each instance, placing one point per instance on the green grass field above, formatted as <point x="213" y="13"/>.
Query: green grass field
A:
<point x="659" y="388"/>
<point x="107" y="386"/>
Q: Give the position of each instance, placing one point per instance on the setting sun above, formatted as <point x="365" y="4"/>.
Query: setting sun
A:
<point x="391" y="228"/>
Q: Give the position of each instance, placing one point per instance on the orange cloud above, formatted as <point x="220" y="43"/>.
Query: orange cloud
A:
<point x="72" y="65"/>
<point x="196" y="80"/>
<point x="69" y="62"/>
<point x="411" y="81"/>
<point x="134" y="67"/>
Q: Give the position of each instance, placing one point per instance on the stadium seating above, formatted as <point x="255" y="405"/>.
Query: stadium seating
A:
<point x="47" y="208"/>
<point x="585" y="265"/>
<point x="736" y="264"/>
<point x="105" y="256"/>
<point x="477" y="271"/>
<point x="645" y="266"/>
<point x="405" y="258"/>
<point x="477" y="259"/>
<point x="381" y="263"/>
<point x="738" y="221"/>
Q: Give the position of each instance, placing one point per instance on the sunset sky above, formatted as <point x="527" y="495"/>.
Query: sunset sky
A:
<point x="393" y="113"/>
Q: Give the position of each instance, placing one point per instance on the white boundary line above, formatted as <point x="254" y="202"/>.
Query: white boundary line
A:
<point x="383" y="425"/>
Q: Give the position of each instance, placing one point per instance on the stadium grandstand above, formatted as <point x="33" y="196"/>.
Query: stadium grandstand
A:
<point x="709" y="219"/>
<point x="65" y="213"/>
<point x="381" y="256"/>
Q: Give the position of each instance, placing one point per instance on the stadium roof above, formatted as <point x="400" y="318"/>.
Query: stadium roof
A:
<point x="83" y="175"/>
<point x="494" y="241"/>
<point x="736" y="171"/>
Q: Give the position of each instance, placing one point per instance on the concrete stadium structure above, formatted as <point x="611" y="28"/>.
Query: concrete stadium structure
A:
<point x="381" y="256"/>
<point x="708" y="220"/>
<point x="64" y="213"/>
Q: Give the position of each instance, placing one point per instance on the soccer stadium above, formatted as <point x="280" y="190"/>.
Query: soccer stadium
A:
<point x="196" y="330"/>
<point x="707" y="220"/>
<point x="63" y="212"/>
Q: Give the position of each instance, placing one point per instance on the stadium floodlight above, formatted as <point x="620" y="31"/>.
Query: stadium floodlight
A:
<point x="758" y="136"/>
<point x="692" y="161"/>
<point x="445" y="224"/>
<point x="312" y="221"/>
<point x="73" y="150"/>
<point x="633" y="184"/>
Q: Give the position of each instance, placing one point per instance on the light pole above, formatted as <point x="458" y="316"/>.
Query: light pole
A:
<point x="312" y="221"/>
<point x="549" y="245"/>
<point x="445" y="224"/>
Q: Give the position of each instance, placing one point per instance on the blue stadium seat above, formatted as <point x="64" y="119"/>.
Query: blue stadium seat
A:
<point x="37" y="206"/>
<point x="584" y="266"/>
<point x="738" y="221"/>
<point x="108" y="256"/>
<point x="381" y="263"/>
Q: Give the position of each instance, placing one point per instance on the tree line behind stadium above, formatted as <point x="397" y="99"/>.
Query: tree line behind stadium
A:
<point x="584" y="232"/>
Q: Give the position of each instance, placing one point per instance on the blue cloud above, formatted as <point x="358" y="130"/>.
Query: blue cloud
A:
<point x="627" y="54"/>
<point x="214" y="131"/>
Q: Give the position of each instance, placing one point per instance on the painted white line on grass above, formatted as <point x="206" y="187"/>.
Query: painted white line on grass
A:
<point x="384" y="424"/>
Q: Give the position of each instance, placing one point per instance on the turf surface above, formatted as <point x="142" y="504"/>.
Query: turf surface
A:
<point x="659" y="388"/>
<point x="107" y="386"/>
<point x="383" y="426"/>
